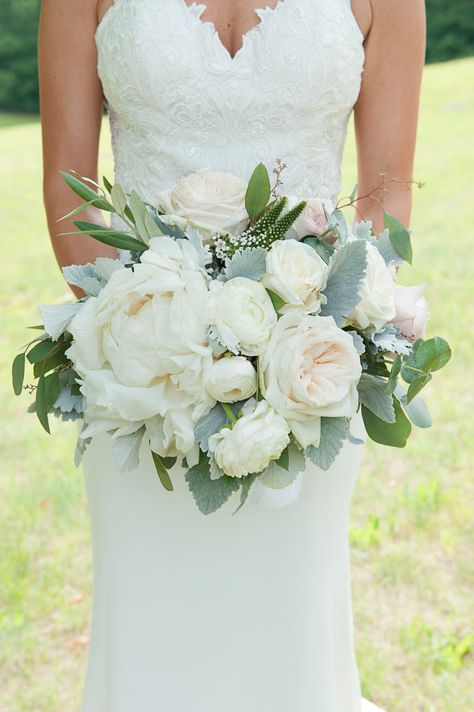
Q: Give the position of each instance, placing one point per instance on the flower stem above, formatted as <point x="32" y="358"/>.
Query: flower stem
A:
<point x="228" y="411"/>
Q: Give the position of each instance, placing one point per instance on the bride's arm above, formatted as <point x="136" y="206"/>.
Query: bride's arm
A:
<point x="386" y="113"/>
<point x="71" y="112"/>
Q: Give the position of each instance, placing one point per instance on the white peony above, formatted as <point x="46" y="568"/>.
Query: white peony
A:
<point x="141" y="349"/>
<point x="377" y="296"/>
<point x="256" y="439"/>
<point x="310" y="370"/>
<point x="297" y="274"/>
<point x="242" y="315"/>
<point x="231" y="379"/>
<point x="212" y="201"/>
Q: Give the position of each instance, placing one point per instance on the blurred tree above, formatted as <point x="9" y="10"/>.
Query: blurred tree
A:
<point x="450" y="35"/>
<point x="450" y="29"/>
<point x="18" y="64"/>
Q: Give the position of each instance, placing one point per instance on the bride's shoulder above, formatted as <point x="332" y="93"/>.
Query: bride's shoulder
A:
<point x="396" y="14"/>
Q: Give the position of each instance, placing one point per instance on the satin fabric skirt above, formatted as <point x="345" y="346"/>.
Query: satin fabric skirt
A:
<point x="222" y="613"/>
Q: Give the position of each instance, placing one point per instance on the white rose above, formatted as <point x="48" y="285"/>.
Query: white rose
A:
<point x="297" y="274"/>
<point x="212" y="201"/>
<point x="310" y="370"/>
<point x="141" y="348"/>
<point x="377" y="296"/>
<point x="242" y="314"/>
<point x="256" y="439"/>
<point x="411" y="311"/>
<point x="231" y="379"/>
<point x="312" y="221"/>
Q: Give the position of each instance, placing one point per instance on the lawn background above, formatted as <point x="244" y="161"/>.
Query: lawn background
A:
<point x="412" y="524"/>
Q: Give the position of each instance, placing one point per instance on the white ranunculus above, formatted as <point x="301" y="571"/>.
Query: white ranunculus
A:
<point x="231" y="379"/>
<point x="257" y="438"/>
<point x="141" y="348"/>
<point x="377" y="296"/>
<point x="310" y="370"/>
<point x="212" y="201"/>
<point x="242" y="315"/>
<point x="297" y="274"/>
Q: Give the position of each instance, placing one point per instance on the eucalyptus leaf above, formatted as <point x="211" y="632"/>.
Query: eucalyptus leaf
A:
<point x="399" y="237"/>
<point x="416" y="410"/>
<point x="52" y="389"/>
<point x="41" y="351"/>
<point x="18" y="373"/>
<point x="392" y="434"/>
<point x="394" y="373"/>
<point x="41" y="404"/>
<point x="333" y="433"/>
<point x="347" y="270"/>
<point x="258" y="191"/>
<point x="373" y="395"/>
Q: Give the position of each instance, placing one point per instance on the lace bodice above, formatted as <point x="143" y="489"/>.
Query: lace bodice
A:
<point x="179" y="102"/>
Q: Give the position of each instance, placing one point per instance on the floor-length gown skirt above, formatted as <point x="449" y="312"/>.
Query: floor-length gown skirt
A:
<point x="223" y="613"/>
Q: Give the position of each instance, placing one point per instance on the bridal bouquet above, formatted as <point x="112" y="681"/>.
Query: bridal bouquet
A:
<point x="238" y="332"/>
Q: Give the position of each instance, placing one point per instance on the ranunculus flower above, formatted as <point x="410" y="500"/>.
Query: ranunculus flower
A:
<point x="297" y="274"/>
<point x="310" y="370"/>
<point x="411" y="311"/>
<point x="376" y="306"/>
<point x="257" y="438"/>
<point x="242" y="315"/>
<point x="231" y="379"/>
<point x="212" y="201"/>
<point x="141" y="349"/>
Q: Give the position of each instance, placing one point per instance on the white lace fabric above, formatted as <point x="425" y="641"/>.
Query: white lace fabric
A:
<point x="179" y="102"/>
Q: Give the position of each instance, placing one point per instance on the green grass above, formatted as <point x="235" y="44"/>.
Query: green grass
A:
<point x="412" y="529"/>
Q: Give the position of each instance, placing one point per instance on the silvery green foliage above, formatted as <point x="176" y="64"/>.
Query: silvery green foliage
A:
<point x="57" y="317"/>
<point x="213" y="422"/>
<point x="166" y="229"/>
<point x="416" y="410"/>
<point x="208" y="494"/>
<point x="390" y="339"/>
<point x="337" y="219"/>
<point x="215" y="471"/>
<point x="250" y="263"/>
<point x="358" y="342"/>
<point x="347" y="268"/>
<point x="333" y="433"/>
<point x="373" y="394"/>
<point x="277" y="477"/>
<point x="66" y="402"/>
<point x="92" y="278"/>
<point x="217" y="347"/>
<point x="352" y="439"/>
<point x="383" y="243"/>
<point x="203" y="251"/>
<point x="81" y="446"/>
<point x="126" y="449"/>
<point x="363" y="231"/>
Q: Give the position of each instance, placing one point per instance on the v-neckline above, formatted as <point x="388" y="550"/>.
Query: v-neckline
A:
<point x="197" y="8"/>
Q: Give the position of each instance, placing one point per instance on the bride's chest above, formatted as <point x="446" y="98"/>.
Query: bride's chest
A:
<point x="160" y="54"/>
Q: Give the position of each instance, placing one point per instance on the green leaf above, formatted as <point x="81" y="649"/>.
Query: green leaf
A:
<point x="354" y="193"/>
<point x="426" y="357"/>
<point x="58" y="358"/>
<point x="416" y="386"/>
<point x="38" y="327"/>
<point x="373" y="395"/>
<point x="277" y="301"/>
<point x="108" y="185"/>
<point x="115" y="238"/>
<point x="41" y="351"/>
<point x="18" y="373"/>
<point x="41" y="404"/>
<point x="392" y="434"/>
<point x="399" y="237"/>
<point x="119" y="199"/>
<point x="333" y="433"/>
<point x="281" y="473"/>
<point x="258" y="191"/>
<point x="86" y="193"/>
<point x="208" y="494"/>
<point x="52" y="389"/>
<point x="284" y="459"/>
<point x="347" y="270"/>
<point x="323" y="249"/>
<point x="162" y="472"/>
<point x="416" y="410"/>
<point x="394" y="373"/>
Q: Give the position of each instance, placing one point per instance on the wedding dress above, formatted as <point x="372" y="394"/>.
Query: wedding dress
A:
<point x="252" y="612"/>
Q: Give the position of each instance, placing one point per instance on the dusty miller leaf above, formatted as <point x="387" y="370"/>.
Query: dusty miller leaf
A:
<point x="373" y="394"/>
<point x="333" y="433"/>
<point x="347" y="270"/>
<point x="208" y="494"/>
<point x="249" y="263"/>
